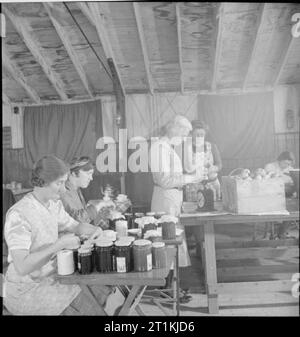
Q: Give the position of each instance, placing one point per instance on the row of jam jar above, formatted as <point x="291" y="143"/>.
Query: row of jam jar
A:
<point x="125" y="255"/>
<point x="130" y="217"/>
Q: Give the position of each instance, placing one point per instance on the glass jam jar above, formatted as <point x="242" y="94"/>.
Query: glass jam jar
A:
<point x="104" y="255"/>
<point x="123" y="256"/>
<point x="142" y="255"/>
<point x="85" y="260"/>
<point x="159" y="255"/>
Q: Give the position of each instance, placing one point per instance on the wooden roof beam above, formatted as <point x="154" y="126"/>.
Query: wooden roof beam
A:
<point x="143" y="45"/>
<point x="178" y="27"/>
<point x="94" y="8"/>
<point x="218" y="46"/>
<point x="70" y="50"/>
<point x="5" y="98"/>
<point x="18" y="76"/>
<point x="284" y="59"/>
<point x="261" y="20"/>
<point x="23" y="29"/>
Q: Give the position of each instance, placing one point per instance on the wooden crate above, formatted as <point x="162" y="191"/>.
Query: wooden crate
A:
<point x="255" y="196"/>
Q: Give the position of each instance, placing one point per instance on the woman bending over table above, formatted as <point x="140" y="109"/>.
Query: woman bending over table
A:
<point x="32" y="230"/>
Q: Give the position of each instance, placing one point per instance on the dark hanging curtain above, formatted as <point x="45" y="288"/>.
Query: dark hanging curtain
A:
<point x="63" y="130"/>
<point x="242" y="126"/>
<point x="66" y="131"/>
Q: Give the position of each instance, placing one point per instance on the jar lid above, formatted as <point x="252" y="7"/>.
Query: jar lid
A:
<point x="84" y="250"/>
<point x="160" y="213"/>
<point x="158" y="244"/>
<point x="134" y="231"/>
<point x="127" y="238"/>
<point x="121" y="222"/>
<point x="150" y="213"/>
<point x="122" y="243"/>
<point x="142" y="242"/>
<point x="139" y="214"/>
<point x="87" y="245"/>
<point x="103" y="242"/>
<point x="128" y="214"/>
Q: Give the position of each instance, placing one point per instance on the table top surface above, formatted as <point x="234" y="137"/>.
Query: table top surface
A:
<point x="221" y="216"/>
<point x="154" y="277"/>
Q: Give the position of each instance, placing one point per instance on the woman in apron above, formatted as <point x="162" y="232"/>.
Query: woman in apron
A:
<point x="168" y="177"/>
<point x="32" y="230"/>
<point x="207" y="156"/>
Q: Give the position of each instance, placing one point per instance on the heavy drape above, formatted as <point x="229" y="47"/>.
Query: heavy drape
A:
<point x="242" y="126"/>
<point x="63" y="130"/>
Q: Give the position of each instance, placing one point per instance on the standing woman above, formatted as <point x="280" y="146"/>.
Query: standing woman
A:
<point x="32" y="230"/>
<point x="168" y="177"/>
<point x="211" y="161"/>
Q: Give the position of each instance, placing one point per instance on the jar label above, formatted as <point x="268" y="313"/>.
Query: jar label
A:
<point x="149" y="261"/>
<point x="121" y="264"/>
<point x="79" y="266"/>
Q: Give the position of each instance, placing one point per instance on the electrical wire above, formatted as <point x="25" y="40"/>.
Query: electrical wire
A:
<point x="87" y="40"/>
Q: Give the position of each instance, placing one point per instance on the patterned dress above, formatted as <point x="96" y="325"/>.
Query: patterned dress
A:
<point x="32" y="226"/>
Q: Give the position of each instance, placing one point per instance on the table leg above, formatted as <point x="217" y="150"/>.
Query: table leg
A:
<point x="210" y="268"/>
<point x="176" y="287"/>
<point x="135" y="295"/>
<point x="90" y="295"/>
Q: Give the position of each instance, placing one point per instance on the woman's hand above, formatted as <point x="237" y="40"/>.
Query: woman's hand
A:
<point x="68" y="241"/>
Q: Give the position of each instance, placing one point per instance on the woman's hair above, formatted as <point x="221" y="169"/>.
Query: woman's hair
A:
<point x="198" y="124"/>
<point x="48" y="169"/>
<point x="81" y="163"/>
<point x="286" y="155"/>
<point x="178" y="121"/>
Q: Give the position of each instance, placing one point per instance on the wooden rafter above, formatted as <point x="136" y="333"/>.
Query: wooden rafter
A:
<point x="70" y="50"/>
<point x="23" y="29"/>
<point x="5" y="98"/>
<point x="218" y="46"/>
<point x="261" y="19"/>
<point x="178" y="26"/>
<point x="103" y="36"/>
<point x="17" y="75"/>
<point x="284" y="60"/>
<point x="143" y="44"/>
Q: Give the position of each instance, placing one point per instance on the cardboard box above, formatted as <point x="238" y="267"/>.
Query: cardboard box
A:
<point x="253" y="196"/>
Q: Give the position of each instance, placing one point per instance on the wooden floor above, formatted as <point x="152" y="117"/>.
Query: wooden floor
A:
<point x="240" y="304"/>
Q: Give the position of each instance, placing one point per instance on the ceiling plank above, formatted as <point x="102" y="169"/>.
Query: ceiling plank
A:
<point x="220" y="15"/>
<point x="70" y="50"/>
<point x="178" y="26"/>
<point x="143" y="45"/>
<point x="23" y="29"/>
<point x="261" y="20"/>
<point x="284" y="60"/>
<point x="17" y="75"/>
<point x="103" y="37"/>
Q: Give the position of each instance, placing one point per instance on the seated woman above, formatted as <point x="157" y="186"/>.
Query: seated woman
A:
<point x="81" y="174"/>
<point x="281" y="168"/>
<point x="32" y="230"/>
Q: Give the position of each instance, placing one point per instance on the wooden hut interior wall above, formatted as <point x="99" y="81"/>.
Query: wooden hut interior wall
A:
<point x="136" y="65"/>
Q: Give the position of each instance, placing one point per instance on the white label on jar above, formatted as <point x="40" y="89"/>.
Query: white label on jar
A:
<point x="121" y="264"/>
<point x="79" y="266"/>
<point x="149" y="262"/>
